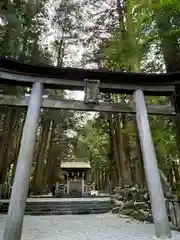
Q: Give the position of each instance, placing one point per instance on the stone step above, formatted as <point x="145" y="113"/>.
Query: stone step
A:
<point x="64" y="212"/>
<point x="42" y="208"/>
<point x="62" y="207"/>
<point x="51" y="205"/>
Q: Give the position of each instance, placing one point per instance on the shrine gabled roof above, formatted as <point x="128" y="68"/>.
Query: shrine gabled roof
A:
<point x="75" y="165"/>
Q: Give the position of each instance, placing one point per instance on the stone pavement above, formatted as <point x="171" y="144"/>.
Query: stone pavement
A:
<point x="85" y="227"/>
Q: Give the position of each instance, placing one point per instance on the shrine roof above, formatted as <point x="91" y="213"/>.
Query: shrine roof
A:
<point x="75" y="165"/>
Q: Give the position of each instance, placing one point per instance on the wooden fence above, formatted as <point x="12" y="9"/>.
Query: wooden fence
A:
<point x="173" y="207"/>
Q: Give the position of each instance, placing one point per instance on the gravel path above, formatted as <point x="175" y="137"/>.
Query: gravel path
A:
<point x="85" y="227"/>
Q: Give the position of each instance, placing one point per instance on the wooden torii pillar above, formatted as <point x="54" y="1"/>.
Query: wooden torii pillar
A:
<point x="158" y="206"/>
<point x="15" y="216"/>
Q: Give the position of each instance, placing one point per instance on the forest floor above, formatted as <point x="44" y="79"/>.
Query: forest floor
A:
<point x="85" y="227"/>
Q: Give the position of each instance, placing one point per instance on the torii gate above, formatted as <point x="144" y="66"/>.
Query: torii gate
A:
<point x="92" y="82"/>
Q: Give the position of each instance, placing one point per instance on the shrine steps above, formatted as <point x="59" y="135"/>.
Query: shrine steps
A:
<point x="62" y="206"/>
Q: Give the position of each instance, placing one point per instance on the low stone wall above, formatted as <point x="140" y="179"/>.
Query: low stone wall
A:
<point x="133" y="202"/>
<point x="38" y="206"/>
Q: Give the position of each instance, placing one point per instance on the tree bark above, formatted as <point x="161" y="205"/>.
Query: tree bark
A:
<point x="115" y="149"/>
<point x="122" y="157"/>
<point x="49" y="154"/>
<point x="38" y="175"/>
<point x="127" y="149"/>
<point x="12" y="119"/>
<point x="18" y="144"/>
<point x="140" y="174"/>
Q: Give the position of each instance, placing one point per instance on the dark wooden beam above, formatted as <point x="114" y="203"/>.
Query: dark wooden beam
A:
<point x="81" y="106"/>
<point x="68" y="84"/>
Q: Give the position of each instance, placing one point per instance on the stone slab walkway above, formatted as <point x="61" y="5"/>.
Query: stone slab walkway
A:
<point x="85" y="227"/>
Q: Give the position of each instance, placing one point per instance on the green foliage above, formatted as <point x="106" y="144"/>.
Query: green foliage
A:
<point x="66" y="27"/>
<point x="164" y="138"/>
<point x="92" y="143"/>
<point x="143" y="35"/>
<point x="20" y="36"/>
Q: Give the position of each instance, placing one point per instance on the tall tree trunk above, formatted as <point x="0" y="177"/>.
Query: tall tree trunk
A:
<point x="3" y="139"/>
<point x="54" y="166"/>
<point x="127" y="149"/>
<point x="139" y="166"/>
<point x="11" y="122"/>
<point x="40" y="163"/>
<point x="175" y="167"/>
<point x="122" y="158"/>
<point x="113" y="175"/>
<point x="49" y="154"/>
<point x="115" y="149"/>
<point x="17" y="147"/>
